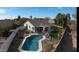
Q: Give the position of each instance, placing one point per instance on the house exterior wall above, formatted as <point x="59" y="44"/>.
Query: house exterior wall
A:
<point x="29" y="26"/>
<point x="51" y="21"/>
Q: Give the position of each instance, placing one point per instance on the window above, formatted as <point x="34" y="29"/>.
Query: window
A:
<point x="33" y="28"/>
<point x="29" y="26"/>
<point x="40" y="28"/>
<point x="46" y="28"/>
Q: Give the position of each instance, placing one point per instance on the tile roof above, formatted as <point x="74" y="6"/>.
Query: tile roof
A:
<point x="40" y="22"/>
<point x="6" y="23"/>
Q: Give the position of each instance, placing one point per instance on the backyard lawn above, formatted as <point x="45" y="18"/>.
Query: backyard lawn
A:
<point x="55" y="34"/>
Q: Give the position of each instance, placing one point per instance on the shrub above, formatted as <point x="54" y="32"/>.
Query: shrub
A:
<point x="14" y="26"/>
<point x="54" y="34"/>
<point x="4" y="32"/>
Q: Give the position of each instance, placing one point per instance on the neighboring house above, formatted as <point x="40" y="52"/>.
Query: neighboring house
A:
<point x="29" y="26"/>
<point x="34" y="25"/>
<point x="6" y="23"/>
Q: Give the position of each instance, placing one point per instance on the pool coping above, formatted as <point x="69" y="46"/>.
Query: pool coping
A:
<point x="40" y="44"/>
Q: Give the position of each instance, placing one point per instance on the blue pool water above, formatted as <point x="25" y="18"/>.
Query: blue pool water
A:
<point x="32" y="43"/>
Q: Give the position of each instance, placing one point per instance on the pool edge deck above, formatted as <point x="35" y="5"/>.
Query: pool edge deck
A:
<point x="40" y="44"/>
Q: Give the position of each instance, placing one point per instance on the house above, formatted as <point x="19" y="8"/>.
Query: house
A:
<point x="34" y="25"/>
<point x="6" y="23"/>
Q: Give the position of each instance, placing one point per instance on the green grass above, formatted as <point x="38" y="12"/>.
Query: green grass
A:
<point x="55" y="33"/>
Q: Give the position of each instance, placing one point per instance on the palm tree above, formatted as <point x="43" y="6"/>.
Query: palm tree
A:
<point x="62" y="19"/>
<point x="19" y="17"/>
<point x="30" y="17"/>
<point x="58" y="19"/>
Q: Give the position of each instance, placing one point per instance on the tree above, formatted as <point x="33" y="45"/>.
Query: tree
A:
<point x="68" y="18"/>
<point x="41" y="19"/>
<point x="4" y="32"/>
<point x="47" y="18"/>
<point x="74" y="16"/>
<point x="62" y="19"/>
<point x="19" y="17"/>
<point x="58" y="20"/>
<point x="30" y="17"/>
<point x="35" y="18"/>
<point x="38" y="18"/>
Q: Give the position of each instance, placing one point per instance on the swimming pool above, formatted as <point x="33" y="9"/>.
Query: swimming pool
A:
<point x="32" y="43"/>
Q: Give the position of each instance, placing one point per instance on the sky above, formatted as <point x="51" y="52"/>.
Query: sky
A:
<point x="13" y="12"/>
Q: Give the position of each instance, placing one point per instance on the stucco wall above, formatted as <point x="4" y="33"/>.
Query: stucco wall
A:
<point x="29" y="26"/>
<point x="6" y="45"/>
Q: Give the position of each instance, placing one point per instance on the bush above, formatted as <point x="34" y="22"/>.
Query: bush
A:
<point x="58" y="29"/>
<point x="39" y="31"/>
<point x="14" y="26"/>
<point x="54" y="34"/>
<point x="4" y="32"/>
